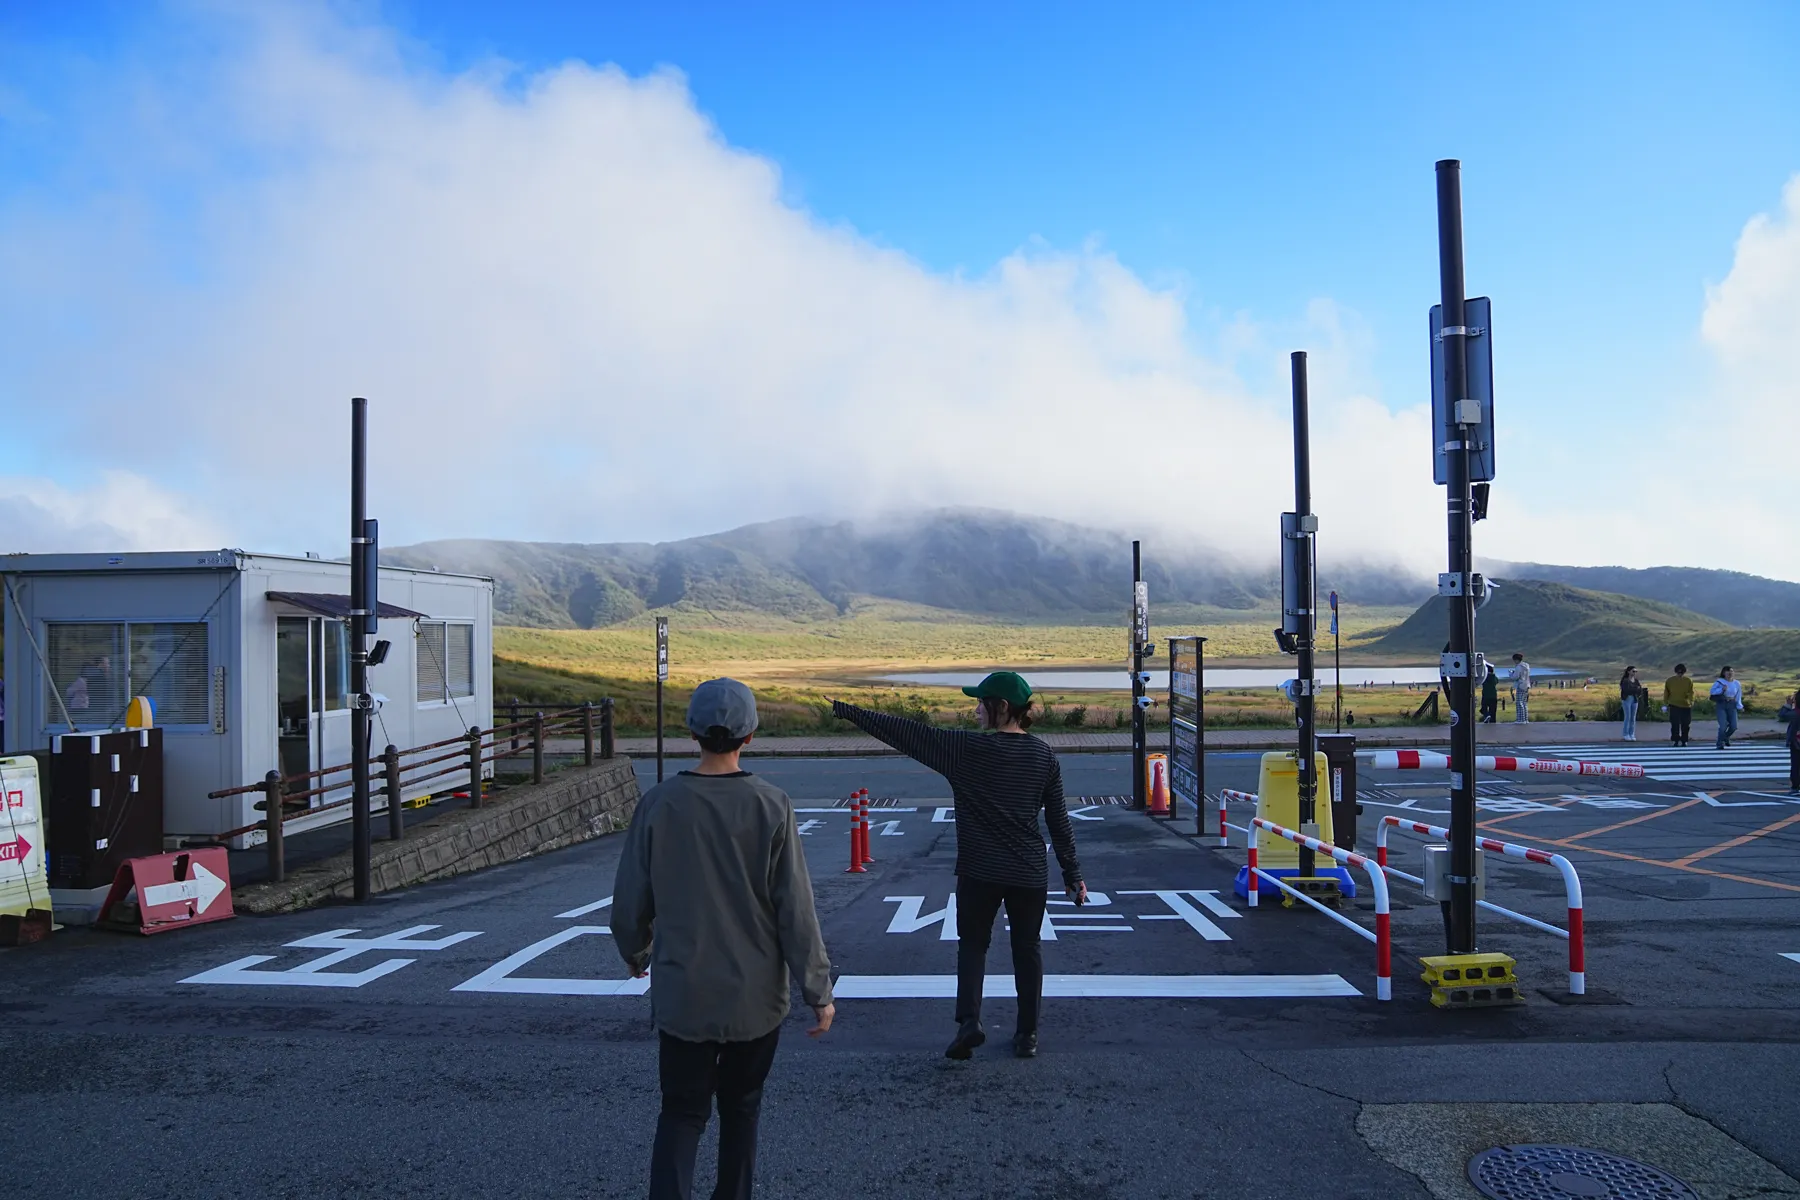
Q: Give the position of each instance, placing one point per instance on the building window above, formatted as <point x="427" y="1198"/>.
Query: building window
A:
<point x="446" y="661"/>
<point x="97" y="667"/>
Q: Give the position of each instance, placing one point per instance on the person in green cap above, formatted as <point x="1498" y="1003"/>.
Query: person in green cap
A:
<point x="1001" y="780"/>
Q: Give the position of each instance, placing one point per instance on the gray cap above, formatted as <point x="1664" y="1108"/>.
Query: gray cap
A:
<point x="722" y="702"/>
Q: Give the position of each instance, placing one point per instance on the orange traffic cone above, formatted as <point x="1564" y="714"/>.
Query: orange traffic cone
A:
<point x="866" y="856"/>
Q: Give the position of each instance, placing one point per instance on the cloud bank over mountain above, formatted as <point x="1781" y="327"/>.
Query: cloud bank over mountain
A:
<point x="581" y="314"/>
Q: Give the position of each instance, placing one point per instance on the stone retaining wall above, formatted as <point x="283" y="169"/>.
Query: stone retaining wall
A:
<point x="571" y="806"/>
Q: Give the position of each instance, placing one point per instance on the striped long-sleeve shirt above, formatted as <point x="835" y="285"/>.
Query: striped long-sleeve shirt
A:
<point x="1000" y="781"/>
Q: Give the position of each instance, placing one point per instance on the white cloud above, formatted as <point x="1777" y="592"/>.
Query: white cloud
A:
<point x="580" y="314"/>
<point x="121" y="511"/>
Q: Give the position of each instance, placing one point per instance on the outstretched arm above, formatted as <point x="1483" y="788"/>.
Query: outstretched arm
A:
<point x="939" y="749"/>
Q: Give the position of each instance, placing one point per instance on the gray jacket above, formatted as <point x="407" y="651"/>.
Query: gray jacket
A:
<point x="712" y="895"/>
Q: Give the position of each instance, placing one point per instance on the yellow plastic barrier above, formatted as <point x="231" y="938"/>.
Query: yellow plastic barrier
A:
<point x="1278" y="800"/>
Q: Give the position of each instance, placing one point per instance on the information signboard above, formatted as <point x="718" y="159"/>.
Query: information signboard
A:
<point x="662" y="649"/>
<point x="23" y="885"/>
<point x="1186" y="717"/>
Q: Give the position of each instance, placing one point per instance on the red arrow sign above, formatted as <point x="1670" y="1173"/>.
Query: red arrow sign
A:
<point x="15" y="850"/>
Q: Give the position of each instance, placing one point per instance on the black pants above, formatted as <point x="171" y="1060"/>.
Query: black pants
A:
<point x="1794" y="765"/>
<point x="977" y="904"/>
<point x="1681" y="722"/>
<point x="1490" y="708"/>
<point x="692" y="1072"/>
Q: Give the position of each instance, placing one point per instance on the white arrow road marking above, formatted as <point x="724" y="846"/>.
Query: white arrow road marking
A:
<point x="584" y="910"/>
<point x="203" y="888"/>
<point x="1077" y="814"/>
<point x="941" y="987"/>
<point x="500" y="978"/>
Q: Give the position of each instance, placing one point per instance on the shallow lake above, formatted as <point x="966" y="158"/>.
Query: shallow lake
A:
<point x="1217" y="677"/>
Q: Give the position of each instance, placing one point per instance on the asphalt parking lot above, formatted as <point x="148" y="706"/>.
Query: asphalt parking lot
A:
<point x="479" y="1036"/>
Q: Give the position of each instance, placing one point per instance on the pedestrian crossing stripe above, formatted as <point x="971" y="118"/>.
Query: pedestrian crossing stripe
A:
<point x="1141" y="987"/>
<point x="1677" y="764"/>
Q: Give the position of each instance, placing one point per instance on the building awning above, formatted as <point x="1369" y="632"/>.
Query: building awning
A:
<point x="328" y="605"/>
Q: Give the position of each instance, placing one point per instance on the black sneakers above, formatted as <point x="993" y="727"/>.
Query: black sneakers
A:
<point x="1025" y="1045"/>
<point x="968" y="1036"/>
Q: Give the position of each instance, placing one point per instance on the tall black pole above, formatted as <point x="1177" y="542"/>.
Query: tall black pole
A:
<point x="1304" y="700"/>
<point x="662" y="677"/>
<point x="1459" y="915"/>
<point x="360" y="607"/>
<point x="1138" y="732"/>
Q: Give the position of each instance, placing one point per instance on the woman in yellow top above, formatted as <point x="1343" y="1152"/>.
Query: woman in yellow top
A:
<point x="1678" y="702"/>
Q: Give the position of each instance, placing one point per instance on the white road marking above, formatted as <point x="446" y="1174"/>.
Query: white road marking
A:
<point x="808" y="825"/>
<point x="584" y="910"/>
<point x="500" y="977"/>
<point x="343" y="947"/>
<point x="1080" y="814"/>
<point x="1184" y="911"/>
<point x="907" y="918"/>
<point x="1794" y="957"/>
<point x="943" y="987"/>
<point x="890" y="829"/>
<point x="944" y="816"/>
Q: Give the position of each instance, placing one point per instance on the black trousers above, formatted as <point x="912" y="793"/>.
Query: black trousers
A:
<point x="692" y="1073"/>
<point x="1681" y="723"/>
<point x="1794" y="765"/>
<point x="977" y="904"/>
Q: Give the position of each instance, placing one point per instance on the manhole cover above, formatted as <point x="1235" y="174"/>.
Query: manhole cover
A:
<point x="1563" y="1172"/>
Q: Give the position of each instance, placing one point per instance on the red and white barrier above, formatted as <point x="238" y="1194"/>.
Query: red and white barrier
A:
<point x="858" y="838"/>
<point x="1425" y="760"/>
<point x="1228" y="797"/>
<point x="862" y="808"/>
<point x="1384" y="981"/>
<point x="1571" y="885"/>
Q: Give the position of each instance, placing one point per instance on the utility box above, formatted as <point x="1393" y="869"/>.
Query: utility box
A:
<point x="1437" y="874"/>
<point x="1340" y="753"/>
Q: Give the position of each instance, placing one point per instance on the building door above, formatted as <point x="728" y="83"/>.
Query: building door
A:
<point x="331" y="712"/>
<point x="312" y="673"/>
<point x="294" y="698"/>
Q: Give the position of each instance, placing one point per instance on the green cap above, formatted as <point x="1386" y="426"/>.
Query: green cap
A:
<point x="1009" y="686"/>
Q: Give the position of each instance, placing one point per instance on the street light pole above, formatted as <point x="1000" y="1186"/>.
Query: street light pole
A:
<point x="1459" y="910"/>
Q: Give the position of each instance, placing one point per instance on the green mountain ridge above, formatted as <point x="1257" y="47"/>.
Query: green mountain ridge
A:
<point x="1553" y="622"/>
<point x="957" y="560"/>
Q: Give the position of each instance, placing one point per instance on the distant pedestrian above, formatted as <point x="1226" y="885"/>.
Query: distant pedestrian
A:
<point x="1630" y="692"/>
<point x="1728" y="702"/>
<point x="1001" y="780"/>
<point x="1678" y="699"/>
<point x="1790" y="712"/>
<point x="712" y="889"/>
<point x="1490" y="696"/>
<point x="1521" y="689"/>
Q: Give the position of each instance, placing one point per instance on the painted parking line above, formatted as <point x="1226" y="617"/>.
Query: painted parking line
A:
<point x="1133" y="987"/>
<point x="1746" y="839"/>
<point x="1649" y="816"/>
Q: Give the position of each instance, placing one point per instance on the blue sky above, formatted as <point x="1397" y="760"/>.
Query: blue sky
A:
<point x="1268" y="172"/>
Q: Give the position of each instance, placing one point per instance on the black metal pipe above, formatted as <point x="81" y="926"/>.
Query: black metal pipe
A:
<point x="1459" y="914"/>
<point x="361" y="606"/>
<point x="390" y="771"/>
<point x="272" y="819"/>
<point x="1139" y="730"/>
<point x="1307" y="743"/>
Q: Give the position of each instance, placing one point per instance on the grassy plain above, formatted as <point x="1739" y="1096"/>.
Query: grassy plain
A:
<point x="796" y="665"/>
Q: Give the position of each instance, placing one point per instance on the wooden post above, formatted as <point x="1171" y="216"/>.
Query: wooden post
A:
<point x="606" y="727"/>
<point x="587" y="732"/>
<point x="272" y="798"/>
<point x="390" y="770"/>
<point x="537" y="747"/>
<point x="512" y="719"/>
<point x="475" y="766"/>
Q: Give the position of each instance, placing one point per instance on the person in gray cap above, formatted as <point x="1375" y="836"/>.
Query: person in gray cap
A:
<point x="712" y="892"/>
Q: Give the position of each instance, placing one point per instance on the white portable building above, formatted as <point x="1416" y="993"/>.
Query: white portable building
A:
<point x="246" y="661"/>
